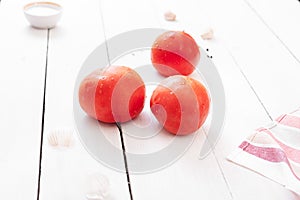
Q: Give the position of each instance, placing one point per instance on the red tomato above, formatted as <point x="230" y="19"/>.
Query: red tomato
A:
<point x="175" y="52"/>
<point x="113" y="94"/>
<point x="180" y="104"/>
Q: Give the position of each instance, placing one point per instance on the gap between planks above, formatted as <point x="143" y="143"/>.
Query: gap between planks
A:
<point x="43" y="117"/>
<point x="125" y="160"/>
<point x="104" y="33"/>
<point x="249" y="84"/>
<point x="241" y="71"/>
<point x="117" y="124"/>
<point x="219" y="166"/>
<point x="271" y="30"/>
<point x="213" y="151"/>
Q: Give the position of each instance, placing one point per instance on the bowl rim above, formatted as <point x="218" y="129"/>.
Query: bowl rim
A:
<point x="56" y="6"/>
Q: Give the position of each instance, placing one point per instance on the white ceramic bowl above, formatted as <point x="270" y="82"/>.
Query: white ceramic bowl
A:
<point x="43" y="15"/>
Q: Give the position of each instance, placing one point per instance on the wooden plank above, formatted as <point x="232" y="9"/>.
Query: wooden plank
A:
<point x="244" y="114"/>
<point x="237" y="91"/>
<point x="258" y="57"/>
<point x="188" y="177"/>
<point x="67" y="173"/>
<point x="281" y="19"/>
<point x="23" y="55"/>
<point x="269" y="67"/>
<point x="122" y="16"/>
<point x="233" y="24"/>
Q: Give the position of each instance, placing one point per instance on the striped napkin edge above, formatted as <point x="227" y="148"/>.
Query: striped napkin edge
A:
<point x="273" y="153"/>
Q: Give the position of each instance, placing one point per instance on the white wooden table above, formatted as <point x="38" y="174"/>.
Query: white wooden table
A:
<point x="256" y="50"/>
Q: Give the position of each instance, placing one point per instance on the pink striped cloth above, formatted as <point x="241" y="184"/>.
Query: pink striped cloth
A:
<point x="274" y="151"/>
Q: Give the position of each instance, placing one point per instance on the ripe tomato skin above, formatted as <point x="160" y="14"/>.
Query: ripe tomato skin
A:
<point x="175" y="52"/>
<point x="112" y="94"/>
<point x="180" y="104"/>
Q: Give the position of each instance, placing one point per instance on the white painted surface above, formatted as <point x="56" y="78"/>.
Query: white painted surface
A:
<point x="282" y="18"/>
<point x="233" y="23"/>
<point x="67" y="173"/>
<point x="270" y="68"/>
<point x="22" y="65"/>
<point x="243" y="47"/>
